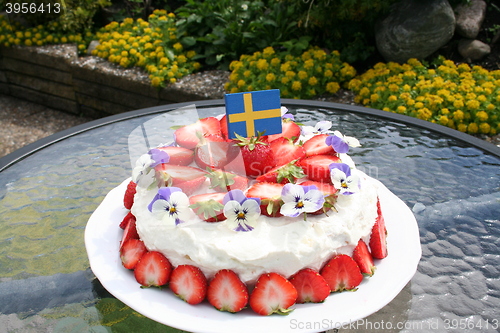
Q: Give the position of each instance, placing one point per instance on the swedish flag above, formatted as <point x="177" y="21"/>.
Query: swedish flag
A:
<point x="249" y="113"/>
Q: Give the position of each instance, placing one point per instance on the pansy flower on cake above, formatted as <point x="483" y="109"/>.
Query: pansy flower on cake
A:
<point x="287" y="212"/>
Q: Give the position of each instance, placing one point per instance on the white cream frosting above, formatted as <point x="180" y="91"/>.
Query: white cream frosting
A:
<point x="283" y="245"/>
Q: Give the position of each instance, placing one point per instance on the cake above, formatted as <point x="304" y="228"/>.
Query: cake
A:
<point x="286" y="214"/>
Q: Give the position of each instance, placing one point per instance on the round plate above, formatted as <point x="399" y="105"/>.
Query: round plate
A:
<point x="102" y="240"/>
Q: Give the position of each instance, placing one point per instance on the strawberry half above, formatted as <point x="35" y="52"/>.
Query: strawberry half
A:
<point x="189" y="136"/>
<point x="153" y="270"/>
<point x="285" y="151"/>
<point x="208" y="206"/>
<point x="189" y="179"/>
<point x="272" y="294"/>
<point x="342" y="273"/>
<point x="215" y="154"/>
<point x="288" y="173"/>
<point x="378" y="242"/>
<point x="131" y="251"/>
<point x="226" y="292"/>
<point x="363" y="258"/>
<point x="311" y="286"/>
<point x="128" y="199"/>
<point x="178" y="155"/>
<point x="130" y="232"/>
<point x="289" y="130"/>
<point x="222" y="181"/>
<point x="126" y="220"/>
<point x="317" y="146"/>
<point x="316" y="167"/>
<point x="269" y="195"/>
<point x="188" y="283"/>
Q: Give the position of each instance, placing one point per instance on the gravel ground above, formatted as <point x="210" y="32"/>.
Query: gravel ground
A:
<point x="22" y="122"/>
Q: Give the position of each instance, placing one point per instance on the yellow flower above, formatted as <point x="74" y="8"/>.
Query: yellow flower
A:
<point x="419" y="105"/>
<point x="458" y="115"/>
<point x="473" y="104"/>
<point x="302" y="75"/>
<point x="262" y="64"/>
<point x="270" y="77"/>
<point x="472" y="128"/>
<point x="332" y="87"/>
<point x="296" y="85"/>
<point x="484" y="128"/>
<point x="401" y="109"/>
<point x="482" y="116"/>
<point x="443" y="120"/>
<point x="313" y="81"/>
<point x="177" y="46"/>
<point x="458" y="103"/>
<point x="268" y="51"/>
<point x="241" y="83"/>
<point x="285" y="80"/>
<point x="462" y="128"/>
<point x="329" y="73"/>
<point x="290" y="74"/>
<point x="393" y="98"/>
<point x="374" y="98"/>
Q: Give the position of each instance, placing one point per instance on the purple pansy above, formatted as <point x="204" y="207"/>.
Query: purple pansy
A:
<point x="148" y="161"/>
<point x="241" y="212"/>
<point x="341" y="143"/>
<point x="300" y="199"/>
<point x="342" y="178"/>
<point x="171" y="205"/>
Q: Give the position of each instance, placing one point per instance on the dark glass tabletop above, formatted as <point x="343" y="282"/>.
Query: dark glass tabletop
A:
<point x="450" y="180"/>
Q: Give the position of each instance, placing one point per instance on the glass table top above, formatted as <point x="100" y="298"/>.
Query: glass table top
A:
<point x="49" y="190"/>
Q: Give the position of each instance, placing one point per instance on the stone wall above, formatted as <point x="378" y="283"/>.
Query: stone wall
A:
<point x="56" y="77"/>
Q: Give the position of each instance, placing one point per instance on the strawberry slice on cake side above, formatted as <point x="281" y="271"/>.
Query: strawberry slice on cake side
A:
<point x="187" y="178"/>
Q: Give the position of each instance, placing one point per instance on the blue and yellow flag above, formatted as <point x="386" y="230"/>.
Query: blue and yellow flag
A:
<point x="250" y="113"/>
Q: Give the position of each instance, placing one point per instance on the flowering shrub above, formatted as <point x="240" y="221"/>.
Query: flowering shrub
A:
<point x="314" y="73"/>
<point x="151" y="44"/>
<point x="50" y="33"/>
<point x="460" y="97"/>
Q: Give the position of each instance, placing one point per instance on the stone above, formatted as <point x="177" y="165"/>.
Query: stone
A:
<point x="470" y="17"/>
<point x="92" y="46"/>
<point x="473" y="49"/>
<point x="415" y="29"/>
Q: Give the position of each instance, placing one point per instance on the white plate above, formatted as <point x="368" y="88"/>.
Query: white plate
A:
<point x="102" y="239"/>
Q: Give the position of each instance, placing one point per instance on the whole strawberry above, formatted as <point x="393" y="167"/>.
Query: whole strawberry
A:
<point x="257" y="154"/>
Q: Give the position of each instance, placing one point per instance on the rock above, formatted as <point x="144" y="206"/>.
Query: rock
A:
<point x="415" y="29"/>
<point x="470" y="17"/>
<point x="92" y="46"/>
<point x="473" y="49"/>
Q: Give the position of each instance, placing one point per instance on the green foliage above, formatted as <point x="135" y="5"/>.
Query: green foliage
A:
<point x="72" y="15"/>
<point x="221" y="31"/>
<point x="460" y="97"/>
<point x="314" y="72"/>
<point x="151" y="44"/>
<point x="344" y="25"/>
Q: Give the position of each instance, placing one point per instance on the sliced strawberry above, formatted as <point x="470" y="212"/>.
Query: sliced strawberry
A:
<point x="342" y="273"/>
<point x="285" y="151"/>
<point x="316" y="167"/>
<point x="226" y="292"/>
<point x="270" y="197"/>
<point x="363" y="258"/>
<point x="222" y="181"/>
<point x="257" y="155"/>
<point x="317" y="146"/>
<point x="208" y="206"/>
<point x="130" y="232"/>
<point x="378" y="242"/>
<point x="223" y="127"/>
<point x="215" y="154"/>
<point x="128" y="199"/>
<point x="189" y="179"/>
<point x="126" y="220"/>
<point x="189" y="136"/>
<point x="288" y="173"/>
<point x="179" y="155"/>
<point x="131" y="251"/>
<point x="311" y="286"/>
<point x="272" y="294"/>
<point x="188" y="283"/>
<point x="290" y="130"/>
<point x="153" y="270"/>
